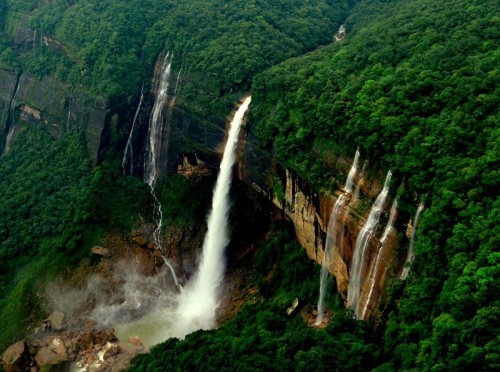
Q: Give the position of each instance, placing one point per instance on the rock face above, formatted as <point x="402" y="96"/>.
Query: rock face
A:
<point x="49" y="103"/>
<point x="310" y="212"/>
<point x="8" y="82"/>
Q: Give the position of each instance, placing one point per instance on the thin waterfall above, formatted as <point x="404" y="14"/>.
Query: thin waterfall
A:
<point x="154" y="152"/>
<point x="12" y="116"/>
<point x="9" y="139"/>
<point x="411" y="254"/>
<point x="349" y="184"/>
<point x="330" y="241"/>
<point x="129" y="153"/>
<point x="69" y="114"/>
<point x="200" y="299"/>
<point x="156" y="126"/>
<point x="372" y="277"/>
<point x="358" y="260"/>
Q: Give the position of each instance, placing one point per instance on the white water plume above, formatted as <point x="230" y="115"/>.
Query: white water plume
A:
<point x="358" y="259"/>
<point x="123" y="296"/>
<point x="372" y="277"/>
<point x="330" y="241"/>
<point x="200" y="298"/>
<point x="411" y="254"/>
<point x="129" y="151"/>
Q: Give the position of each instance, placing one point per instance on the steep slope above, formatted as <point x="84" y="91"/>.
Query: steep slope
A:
<point x="414" y="85"/>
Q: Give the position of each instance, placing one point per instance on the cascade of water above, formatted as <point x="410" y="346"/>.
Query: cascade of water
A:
<point x="372" y="277"/>
<point x="129" y="153"/>
<point x="199" y="300"/>
<point x="153" y="156"/>
<point x="156" y="125"/>
<point x="349" y="184"/>
<point x="12" y="116"/>
<point x="9" y="139"/>
<point x="411" y="253"/>
<point x="330" y="241"/>
<point x="358" y="264"/>
<point x="69" y="114"/>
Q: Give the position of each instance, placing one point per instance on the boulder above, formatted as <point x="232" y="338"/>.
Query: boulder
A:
<point x="56" y="320"/>
<point x="295" y="307"/>
<point x="15" y="357"/>
<point x="58" y="347"/>
<point x="45" y="357"/>
<point x="101" y="251"/>
<point x="141" y="240"/>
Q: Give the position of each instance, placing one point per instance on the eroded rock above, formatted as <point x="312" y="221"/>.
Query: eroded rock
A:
<point x="56" y="320"/>
<point x="15" y="357"/>
<point x="101" y="251"/>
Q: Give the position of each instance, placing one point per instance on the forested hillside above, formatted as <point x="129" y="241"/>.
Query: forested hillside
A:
<point x="109" y="49"/>
<point x="414" y="85"/>
<point x="110" y="46"/>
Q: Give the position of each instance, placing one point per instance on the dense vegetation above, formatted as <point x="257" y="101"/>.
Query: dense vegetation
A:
<point x="53" y="205"/>
<point x="261" y="336"/>
<point x="416" y="86"/>
<point x="110" y="46"/>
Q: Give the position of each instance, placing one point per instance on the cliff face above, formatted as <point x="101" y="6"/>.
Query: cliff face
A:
<point x="50" y="104"/>
<point x="310" y="212"/>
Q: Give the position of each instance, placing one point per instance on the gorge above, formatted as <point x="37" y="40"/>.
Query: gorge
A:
<point x="114" y="118"/>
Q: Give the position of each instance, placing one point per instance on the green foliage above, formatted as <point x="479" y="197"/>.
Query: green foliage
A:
<point x="415" y="86"/>
<point x="184" y="201"/>
<point x="42" y="211"/>
<point x="110" y="46"/>
<point x="261" y="336"/>
<point x="53" y="206"/>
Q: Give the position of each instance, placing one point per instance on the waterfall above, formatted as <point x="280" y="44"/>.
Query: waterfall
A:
<point x="158" y="137"/>
<point x="9" y="139"/>
<point x="69" y="114"/>
<point x="330" y="241"/>
<point x="372" y="277"/>
<point x="411" y="253"/>
<point x="358" y="264"/>
<point x="11" y="123"/>
<point x="349" y="184"/>
<point x="129" y="153"/>
<point x="199" y="300"/>
<point x="158" y="133"/>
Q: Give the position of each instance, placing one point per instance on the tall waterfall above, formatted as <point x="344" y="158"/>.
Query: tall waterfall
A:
<point x="330" y="241"/>
<point x="129" y="152"/>
<point x="411" y="253"/>
<point x="12" y="117"/>
<point x="157" y="145"/>
<point x="375" y="269"/>
<point x="158" y="132"/>
<point x="199" y="300"/>
<point x="358" y="260"/>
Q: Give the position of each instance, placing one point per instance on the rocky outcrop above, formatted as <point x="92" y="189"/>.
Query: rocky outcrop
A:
<point x="310" y="211"/>
<point x="16" y="357"/>
<point x="50" y="104"/>
<point x="8" y="83"/>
